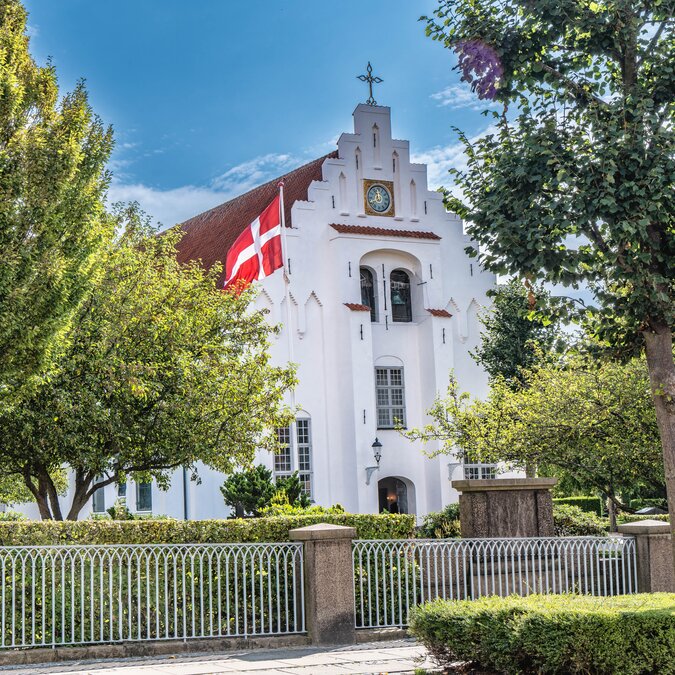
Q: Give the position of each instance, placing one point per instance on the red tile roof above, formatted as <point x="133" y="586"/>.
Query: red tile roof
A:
<point x="356" y="307"/>
<point x="440" y="312"/>
<point x="382" y="231"/>
<point x="209" y="235"/>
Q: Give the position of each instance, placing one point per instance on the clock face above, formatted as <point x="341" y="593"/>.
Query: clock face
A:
<point x="379" y="198"/>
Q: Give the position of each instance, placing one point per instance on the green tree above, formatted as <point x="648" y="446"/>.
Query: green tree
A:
<point x="514" y="338"/>
<point x="594" y="423"/>
<point x="575" y="186"/>
<point x="163" y="370"/>
<point x="251" y="490"/>
<point x="52" y="217"/>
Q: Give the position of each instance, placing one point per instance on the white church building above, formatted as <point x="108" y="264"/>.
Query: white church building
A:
<point x="384" y="304"/>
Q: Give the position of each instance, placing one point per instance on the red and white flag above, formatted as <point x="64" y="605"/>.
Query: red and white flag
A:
<point x="257" y="251"/>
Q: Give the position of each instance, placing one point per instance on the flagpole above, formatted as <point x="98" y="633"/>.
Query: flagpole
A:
<point x="289" y="326"/>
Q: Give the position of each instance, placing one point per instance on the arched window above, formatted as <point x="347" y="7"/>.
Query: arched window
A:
<point x="401" y="307"/>
<point x="368" y="292"/>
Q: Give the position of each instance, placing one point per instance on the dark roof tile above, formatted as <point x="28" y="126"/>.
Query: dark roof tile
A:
<point x="209" y="235"/>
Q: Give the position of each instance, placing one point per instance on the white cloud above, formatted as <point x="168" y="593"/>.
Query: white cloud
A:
<point x="442" y="158"/>
<point x="248" y="175"/>
<point x="168" y="207"/>
<point x="458" y="96"/>
<point x="176" y="205"/>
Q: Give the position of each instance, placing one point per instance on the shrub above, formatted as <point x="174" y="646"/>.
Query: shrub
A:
<point x="441" y="524"/>
<point x="251" y="490"/>
<point x="571" y="521"/>
<point x="50" y="532"/>
<point x="621" y="635"/>
<point x="12" y="516"/>
<point x="280" y="506"/>
<point x="588" y="504"/>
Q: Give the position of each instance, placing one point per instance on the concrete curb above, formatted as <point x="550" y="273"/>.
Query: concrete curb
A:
<point x="158" y="648"/>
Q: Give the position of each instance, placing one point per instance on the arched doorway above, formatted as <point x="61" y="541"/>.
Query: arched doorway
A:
<point x="396" y="495"/>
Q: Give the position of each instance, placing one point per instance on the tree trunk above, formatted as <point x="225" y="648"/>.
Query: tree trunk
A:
<point x="80" y="494"/>
<point x="611" y="512"/>
<point x="661" y="366"/>
<point x="39" y="493"/>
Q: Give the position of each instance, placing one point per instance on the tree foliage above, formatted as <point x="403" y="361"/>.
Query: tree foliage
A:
<point x="576" y="184"/>
<point x="514" y="337"/>
<point x="594" y="423"/>
<point x="252" y="490"/>
<point x="52" y="217"/>
<point x="163" y="370"/>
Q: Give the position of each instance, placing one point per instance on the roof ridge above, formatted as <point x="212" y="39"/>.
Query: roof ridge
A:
<point x="330" y="155"/>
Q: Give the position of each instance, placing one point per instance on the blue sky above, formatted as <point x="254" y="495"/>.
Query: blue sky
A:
<point x="209" y="98"/>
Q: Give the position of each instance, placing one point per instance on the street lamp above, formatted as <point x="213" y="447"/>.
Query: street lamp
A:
<point x="377" y="451"/>
<point x="377" y="454"/>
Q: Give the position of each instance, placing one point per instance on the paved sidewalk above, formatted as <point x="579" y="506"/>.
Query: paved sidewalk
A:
<point x="396" y="656"/>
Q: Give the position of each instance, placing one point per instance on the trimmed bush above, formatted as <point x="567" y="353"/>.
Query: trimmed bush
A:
<point x="44" y="533"/>
<point x="588" y="504"/>
<point x="441" y="524"/>
<point x="571" y="521"/>
<point x="621" y="635"/>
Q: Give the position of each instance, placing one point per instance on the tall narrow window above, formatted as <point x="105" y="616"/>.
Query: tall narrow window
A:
<point x="283" y="460"/>
<point x="376" y="145"/>
<point x="304" y="438"/>
<point x="401" y="307"/>
<point x="144" y="497"/>
<point x="390" y="397"/>
<point x="98" y="499"/>
<point x="368" y="292"/>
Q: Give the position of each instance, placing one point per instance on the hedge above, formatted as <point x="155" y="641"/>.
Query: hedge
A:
<point x="571" y="521"/>
<point x="588" y="504"/>
<point x="45" y="533"/>
<point x="621" y="635"/>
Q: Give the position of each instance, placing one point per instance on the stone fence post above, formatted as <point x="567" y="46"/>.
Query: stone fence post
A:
<point x="654" y="554"/>
<point x="329" y="582"/>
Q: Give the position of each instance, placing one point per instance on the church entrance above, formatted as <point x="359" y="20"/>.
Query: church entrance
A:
<point x="395" y="496"/>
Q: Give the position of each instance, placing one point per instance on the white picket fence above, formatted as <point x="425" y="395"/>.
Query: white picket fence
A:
<point x="391" y="576"/>
<point x="66" y="595"/>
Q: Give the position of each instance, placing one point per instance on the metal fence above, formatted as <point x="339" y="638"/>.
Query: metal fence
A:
<point x="391" y="576"/>
<point x="65" y="595"/>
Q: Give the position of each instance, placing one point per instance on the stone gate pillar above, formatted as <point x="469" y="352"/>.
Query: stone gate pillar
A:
<point x="654" y="555"/>
<point x="329" y="582"/>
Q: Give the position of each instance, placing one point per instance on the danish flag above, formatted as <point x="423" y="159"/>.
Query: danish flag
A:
<point x="257" y="251"/>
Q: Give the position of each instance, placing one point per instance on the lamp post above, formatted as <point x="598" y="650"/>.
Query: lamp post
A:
<point x="377" y="455"/>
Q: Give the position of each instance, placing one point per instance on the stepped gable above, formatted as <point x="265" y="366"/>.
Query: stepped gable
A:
<point x="208" y="236"/>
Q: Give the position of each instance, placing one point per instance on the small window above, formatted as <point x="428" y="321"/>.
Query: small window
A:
<point x="476" y="470"/>
<point x="390" y="397"/>
<point x="143" y="496"/>
<point x="401" y="306"/>
<point x="368" y="292"/>
<point x="121" y="490"/>
<point x="98" y="498"/>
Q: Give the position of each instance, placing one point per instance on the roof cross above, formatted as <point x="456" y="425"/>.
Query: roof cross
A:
<point x="370" y="80"/>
